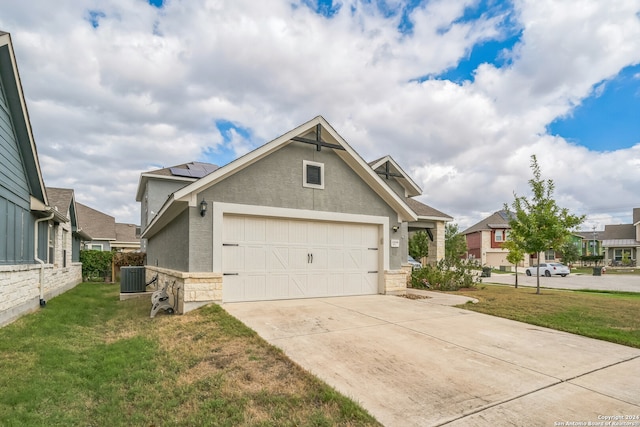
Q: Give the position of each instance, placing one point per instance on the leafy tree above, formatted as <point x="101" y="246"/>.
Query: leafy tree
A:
<point x="538" y="224"/>
<point x="570" y="252"/>
<point x="455" y="244"/>
<point x="516" y="254"/>
<point x="419" y="245"/>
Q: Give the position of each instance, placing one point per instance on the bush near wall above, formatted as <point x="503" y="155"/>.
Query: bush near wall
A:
<point x="96" y="265"/>
<point x="446" y="275"/>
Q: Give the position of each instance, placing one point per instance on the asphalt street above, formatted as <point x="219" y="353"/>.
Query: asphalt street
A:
<point x="606" y="282"/>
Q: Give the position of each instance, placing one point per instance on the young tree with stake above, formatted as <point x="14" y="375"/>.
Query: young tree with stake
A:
<point x="538" y="224"/>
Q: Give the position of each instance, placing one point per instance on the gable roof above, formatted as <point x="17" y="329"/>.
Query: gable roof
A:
<point x="60" y="199"/>
<point x="186" y="196"/>
<point x="621" y="231"/>
<point x="636" y="216"/>
<point x="499" y="219"/>
<point x="20" y="118"/>
<point x="426" y="212"/>
<point x="98" y="225"/>
<point x="393" y="169"/>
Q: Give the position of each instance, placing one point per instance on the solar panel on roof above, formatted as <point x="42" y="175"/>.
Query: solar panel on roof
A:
<point x="194" y="170"/>
<point x="181" y="172"/>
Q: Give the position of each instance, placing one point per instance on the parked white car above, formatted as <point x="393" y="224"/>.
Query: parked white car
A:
<point x="549" y="269"/>
<point x="415" y="265"/>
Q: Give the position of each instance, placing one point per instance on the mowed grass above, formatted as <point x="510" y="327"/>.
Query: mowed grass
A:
<point x="609" y="316"/>
<point x="88" y="359"/>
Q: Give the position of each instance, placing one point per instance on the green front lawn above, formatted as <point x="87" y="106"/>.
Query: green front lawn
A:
<point x="87" y="359"/>
<point x="609" y="316"/>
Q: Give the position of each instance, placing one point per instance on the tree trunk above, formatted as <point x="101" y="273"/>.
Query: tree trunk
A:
<point x="538" y="276"/>
<point x="516" y="268"/>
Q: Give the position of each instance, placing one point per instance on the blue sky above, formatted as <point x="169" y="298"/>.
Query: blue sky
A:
<point x="607" y="120"/>
<point x="135" y="85"/>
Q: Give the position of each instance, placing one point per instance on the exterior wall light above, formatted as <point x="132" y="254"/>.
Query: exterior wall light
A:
<point x="203" y="208"/>
<point x="395" y="228"/>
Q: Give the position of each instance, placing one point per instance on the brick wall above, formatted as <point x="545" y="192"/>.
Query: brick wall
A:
<point x="395" y="282"/>
<point x="19" y="290"/>
<point x="192" y="290"/>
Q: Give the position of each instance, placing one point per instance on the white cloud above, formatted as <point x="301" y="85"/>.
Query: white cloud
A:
<point x="145" y="88"/>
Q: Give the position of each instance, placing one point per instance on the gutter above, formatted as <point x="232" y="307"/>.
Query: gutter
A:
<point x="41" y="262"/>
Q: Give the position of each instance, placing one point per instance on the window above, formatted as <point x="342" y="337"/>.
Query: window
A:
<point x="312" y="174"/>
<point x="95" y="247"/>
<point x="622" y="254"/>
<point x="550" y="255"/>
<point x="499" y="236"/>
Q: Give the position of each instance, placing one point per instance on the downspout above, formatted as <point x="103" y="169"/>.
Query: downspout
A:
<point x="41" y="262"/>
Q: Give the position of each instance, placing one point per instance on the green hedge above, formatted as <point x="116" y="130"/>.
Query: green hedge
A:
<point x="96" y="265"/>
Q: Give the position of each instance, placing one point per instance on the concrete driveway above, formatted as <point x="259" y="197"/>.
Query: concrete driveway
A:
<point x="606" y="282"/>
<point x="422" y="363"/>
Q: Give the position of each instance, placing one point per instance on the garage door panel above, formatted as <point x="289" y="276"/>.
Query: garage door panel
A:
<point x="255" y="287"/>
<point x="370" y="283"/>
<point x="298" y="286"/>
<point x="353" y="260"/>
<point x="335" y="259"/>
<point x="275" y="258"/>
<point x="318" y="285"/>
<point x="278" y="286"/>
<point x="297" y="232"/>
<point x="255" y="259"/>
<point x="335" y="285"/>
<point x="278" y="258"/>
<point x="232" y="258"/>
<point x="233" y="230"/>
<point x="277" y="231"/>
<point x="319" y="259"/>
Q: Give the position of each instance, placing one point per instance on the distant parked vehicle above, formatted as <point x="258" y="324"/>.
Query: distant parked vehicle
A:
<point x="549" y="269"/>
<point x="414" y="264"/>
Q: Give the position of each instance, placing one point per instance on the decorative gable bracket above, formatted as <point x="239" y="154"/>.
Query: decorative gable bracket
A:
<point x="318" y="142"/>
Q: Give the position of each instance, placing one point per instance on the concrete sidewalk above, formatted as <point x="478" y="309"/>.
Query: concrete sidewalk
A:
<point x="420" y="363"/>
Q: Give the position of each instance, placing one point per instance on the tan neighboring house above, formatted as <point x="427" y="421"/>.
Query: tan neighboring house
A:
<point x="485" y="240"/>
<point x="106" y="234"/>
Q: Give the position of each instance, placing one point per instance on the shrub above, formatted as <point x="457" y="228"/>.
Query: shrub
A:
<point x="121" y="259"/>
<point x="446" y="275"/>
<point x="96" y="265"/>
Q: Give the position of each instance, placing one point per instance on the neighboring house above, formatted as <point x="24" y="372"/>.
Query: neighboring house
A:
<point x="127" y="238"/>
<point x="591" y="243"/>
<point x="63" y="201"/>
<point x="485" y="240"/>
<point x="36" y="255"/>
<point x="621" y="243"/>
<point x="107" y="234"/>
<point x="100" y="226"/>
<point x="301" y="216"/>
<point x="430" y="220"/>
<point x="155" y="187"/>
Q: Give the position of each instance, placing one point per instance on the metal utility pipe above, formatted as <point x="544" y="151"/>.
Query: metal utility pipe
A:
<point x="41" y="262"/>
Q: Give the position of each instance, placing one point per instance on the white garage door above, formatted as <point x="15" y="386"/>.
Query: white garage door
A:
<point x="270" y="258"/>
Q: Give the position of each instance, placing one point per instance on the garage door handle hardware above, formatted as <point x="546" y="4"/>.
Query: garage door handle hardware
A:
<point x="373" y="249"/>
<point x="230" y="244"/>
<point x="372" y="271"/>
<point x="230" y="274"/>
<point x="309" y="258"/>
